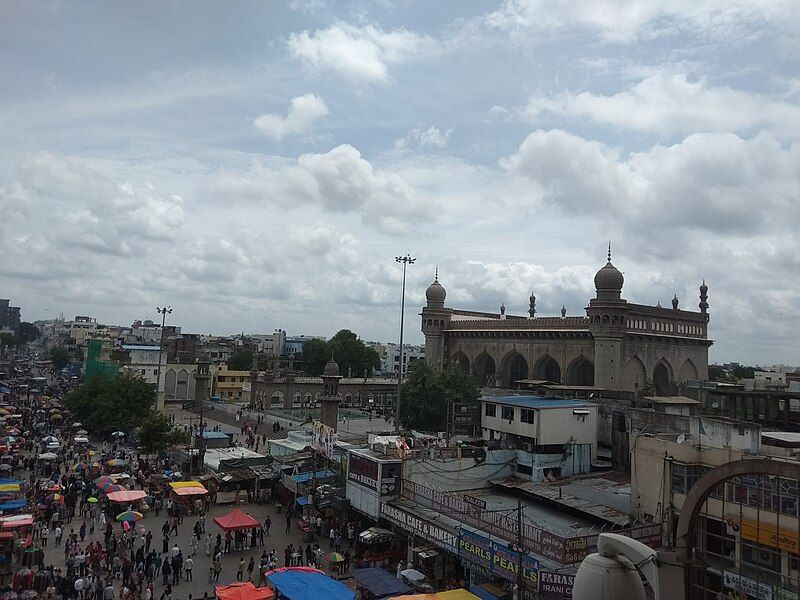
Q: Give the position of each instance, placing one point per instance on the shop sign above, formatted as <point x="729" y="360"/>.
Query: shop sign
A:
<point x="322" y="440"/>
<point x="579" y="547"/>
<point x="769" y="535"/>
<point x="420" y="527"/>
<point x="782" y="594"/>
<point x="555" y="586"/>
<point x="751" y="587"/>
<point x="476" y="502"/>
<point x="363" y="471"/>
<point x="499" y="558"/>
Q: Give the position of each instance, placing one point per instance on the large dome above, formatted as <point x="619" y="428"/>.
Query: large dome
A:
<point x="435" y="293"/>
<point x="331" y="368"/>
<point x="608" y="279"/>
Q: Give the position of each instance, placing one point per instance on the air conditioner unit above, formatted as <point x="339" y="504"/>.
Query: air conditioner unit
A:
<point x="527" y="447"/>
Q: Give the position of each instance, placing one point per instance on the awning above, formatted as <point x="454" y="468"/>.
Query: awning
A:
<point x="380" y="583"/>
<point x="243" y="591"/>
<point x="126" y="496"/>
<point x="305" y="583"/>
<point x="13" y="505"/>
<point x="236" y="519"/>
<point x="184" y="484"/>
<point x="16" y="521"/>
<point x="190" y="491"/>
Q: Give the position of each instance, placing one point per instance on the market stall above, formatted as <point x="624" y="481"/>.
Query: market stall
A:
<point x="376" y="584"/>
<point x="243" y="591"/>
<point x="305" y="583"/>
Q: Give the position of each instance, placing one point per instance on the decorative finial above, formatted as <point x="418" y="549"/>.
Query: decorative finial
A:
<point x="609" y="250"/>
<point x="675" y="301"/>
<point x="436" y="274"/>
<point x="563" y="311"/>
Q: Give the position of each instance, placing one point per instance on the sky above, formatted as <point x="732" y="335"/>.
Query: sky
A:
<point x="258" y="165"/>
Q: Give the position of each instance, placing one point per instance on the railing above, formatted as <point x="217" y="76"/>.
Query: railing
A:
<point x="543" y="323"/>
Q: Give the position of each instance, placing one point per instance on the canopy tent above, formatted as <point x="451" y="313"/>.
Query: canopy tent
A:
<point x="16" y="521"/>
<point x="379" y="583"/>
<point x="243" y="591"/>
<point x="305" y="583"/>
<point x="9" y="485"/>
<point x="13" y="505"/>
<point x="236" y="519"/>
<point x="126" y="496"/>
<point x="459" y="594"/>
<point x="188" y="488"/>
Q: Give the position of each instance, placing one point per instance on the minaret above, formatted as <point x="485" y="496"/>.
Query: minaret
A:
<point x="532" y="305"/>
<point x="435" y="319"/>
<point x="563" y="311"/>
<point x="704" y="300"/>
<point x="675" y="302"/>
<point x="330" y="394"/>
<point x="253" y="379"/>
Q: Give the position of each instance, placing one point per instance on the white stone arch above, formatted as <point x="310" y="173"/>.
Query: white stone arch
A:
<point x="276" y="400"/>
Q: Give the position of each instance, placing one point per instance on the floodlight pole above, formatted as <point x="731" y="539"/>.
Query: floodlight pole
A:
<point x="405" y="260"/>
<point x="163" y="312"/>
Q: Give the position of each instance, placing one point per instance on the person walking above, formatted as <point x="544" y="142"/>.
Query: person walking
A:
<point x="188" y="565"/>
<point x="44" y="534"/>
<point x="209" y="542"/>
<point x="250" y="566"/>
<point x="240" y="570"/>
<point x="267" y="525"/>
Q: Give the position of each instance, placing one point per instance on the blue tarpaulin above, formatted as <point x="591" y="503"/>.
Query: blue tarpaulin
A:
<point x="13" y="505"/>
<point x="303" y="500"/>
<point x="299" y="583"/>
<point x="380" y="584"/>
<point x="303" y="477"/>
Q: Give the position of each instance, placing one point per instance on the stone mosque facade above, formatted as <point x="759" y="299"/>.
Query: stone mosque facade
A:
<point x="618" y="346"/>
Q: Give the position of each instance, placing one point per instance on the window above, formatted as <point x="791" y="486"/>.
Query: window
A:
<point x="508" y="413"/>
<point x="491" y="410"/>
<point x="527" y="416"/>
<point x="524" y="469"/>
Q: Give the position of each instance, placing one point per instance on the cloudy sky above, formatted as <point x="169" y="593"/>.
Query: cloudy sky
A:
<point x="260" y="164"/>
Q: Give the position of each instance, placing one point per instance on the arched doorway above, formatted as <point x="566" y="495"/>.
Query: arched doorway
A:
<point x="661" y="380"/>
<point x="516" y="368"/>
<point x="688" y="371"/>
<point x="485" y="370"/>
<point x="547" y="369"/>
<point x="581" y="372"/>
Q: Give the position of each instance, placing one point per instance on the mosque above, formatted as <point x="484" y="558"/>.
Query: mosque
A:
<point x="617" y="346"/>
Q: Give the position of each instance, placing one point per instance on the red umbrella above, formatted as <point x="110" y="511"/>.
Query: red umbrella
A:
<point x="115" y="487"/>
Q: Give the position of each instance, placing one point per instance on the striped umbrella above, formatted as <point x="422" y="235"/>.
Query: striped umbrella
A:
<point x="130" y="516"/>
<point x="114" y="487"/>
<point x="117" y="462"/>
<point x="105" y="480"/>
<point x="333" y="557"/>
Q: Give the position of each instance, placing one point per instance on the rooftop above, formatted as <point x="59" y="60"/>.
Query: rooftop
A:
<point x="213" y="456"/>
<point x="671" y="400"/>
<point x="535" y="402"/>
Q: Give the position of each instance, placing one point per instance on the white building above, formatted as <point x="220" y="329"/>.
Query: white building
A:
<point x="390" y="356"/>
<point x="293" y="345"/>
<point x="769" y="380"/>
<point x="552" y="436"/>
<point x="270" y="343"/>
<point x="144" y="361"/>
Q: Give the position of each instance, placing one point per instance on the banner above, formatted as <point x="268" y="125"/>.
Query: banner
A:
<point x="555" y="586"/>
<point x="323" y="439"/>
<point x="363" y="471"/>
<point x="498" y="558"/>
<point x="421" y="528"/>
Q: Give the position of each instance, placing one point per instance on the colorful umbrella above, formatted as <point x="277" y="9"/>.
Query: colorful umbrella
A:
<point x="333" y="557"/>
<point x="57" y="417"/>
<point x="117" y="462"/>
<point x="129" y="515"/>
<point x="104" y="480"/>
<point x="91" y="500"/>
<point x="77" y="424"/>
<point x="115" y="487"/>
<point x="79" y="466"/>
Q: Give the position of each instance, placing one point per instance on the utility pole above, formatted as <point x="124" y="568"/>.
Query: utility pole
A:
<point x="163" y="312"/>
<point x="520" y="549"/>
<point x="405" y="260"/>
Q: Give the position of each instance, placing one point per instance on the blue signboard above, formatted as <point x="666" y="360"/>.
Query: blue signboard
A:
<point x="497" y="558"/>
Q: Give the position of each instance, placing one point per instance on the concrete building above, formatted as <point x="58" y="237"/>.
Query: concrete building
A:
<point x="616" y="346"/>
<point x="293" y="345"/>
<point x="552" y="437"/>
<point x="390" y="356"/>
<point x="229" y="384"/>
<point x="142" y="360"/>
<point x="276" y="390"/>
<point x="273" y="344"/>
<point x="9" y="317"/>
<point x="178" y="382"/>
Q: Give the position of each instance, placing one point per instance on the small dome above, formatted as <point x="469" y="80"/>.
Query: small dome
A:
<point x="435" y="292"/>
<point x="609" y="279"/>
<point x="331" y="368"/>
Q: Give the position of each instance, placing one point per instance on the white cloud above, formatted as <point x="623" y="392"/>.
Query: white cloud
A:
<point x="670" y="103"/>
<point x="303" y="112"/>
<point x="339" y="181"/>
<point x="625" y="21"/>
<point x="358" y="53"/>
<point x="711" y="182"/>
<point x="432" y="137"/>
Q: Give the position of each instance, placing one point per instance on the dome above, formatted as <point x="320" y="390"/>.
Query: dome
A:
<point x="435" y="293"/>
<point x="331" y="368"/>
<point x="609" y="279"/>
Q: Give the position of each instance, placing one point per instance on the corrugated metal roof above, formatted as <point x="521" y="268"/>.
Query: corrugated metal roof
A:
<point x="535" y="402"/>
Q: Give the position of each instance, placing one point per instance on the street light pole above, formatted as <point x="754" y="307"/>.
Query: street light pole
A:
<point x="406" y="260"/>
<point x="163" y="312"/>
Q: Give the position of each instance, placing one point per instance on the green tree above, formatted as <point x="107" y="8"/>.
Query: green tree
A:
<point x="104" y="404"/>
<point x="314" y="356"/>
<point x="352" y="355"/>
<point x="59" y="357"/>
<point x="242" y="360"/>
<point x="156" y="434"/>
<point x="426" y="395"/>
<point x="717" y="373"/>
<point x="28" y="332"/>
<point x="7" y="339"/>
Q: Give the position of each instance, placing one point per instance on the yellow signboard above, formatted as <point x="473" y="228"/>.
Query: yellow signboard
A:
<point x="770" y="535"/>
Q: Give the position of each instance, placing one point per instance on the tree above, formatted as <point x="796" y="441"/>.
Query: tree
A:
<point x="241" y="360"/>
<point x="7" y="339"/>
<point x="28" y="332"/>
<point x="156" y="434"/>
<point x="427" y="394"/>
<point x="59" y="357"/>
<point x="104" y="404"/>
<point x="314" y="356"/>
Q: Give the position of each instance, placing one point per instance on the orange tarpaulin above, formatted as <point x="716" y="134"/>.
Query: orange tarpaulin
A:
<point x="190" y="491"/>
<point x="236" y="519"/>
<point x="243" y="591"/>
<point x="182" y="484"/>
